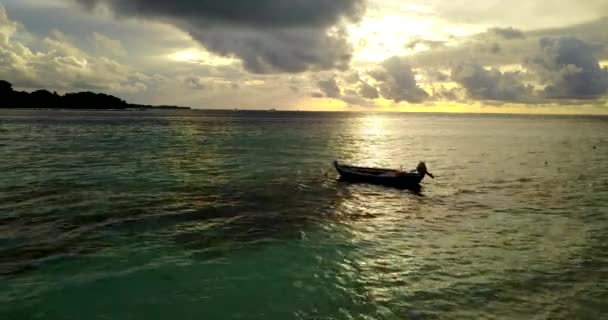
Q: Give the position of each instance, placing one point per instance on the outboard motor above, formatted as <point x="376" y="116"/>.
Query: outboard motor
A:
<point x="421" y="168"/>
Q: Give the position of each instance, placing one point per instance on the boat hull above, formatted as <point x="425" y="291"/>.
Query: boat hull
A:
<point x="379" y="176"/>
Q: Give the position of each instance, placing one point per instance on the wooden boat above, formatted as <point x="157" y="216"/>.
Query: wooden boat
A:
<point x="387" y="177"/>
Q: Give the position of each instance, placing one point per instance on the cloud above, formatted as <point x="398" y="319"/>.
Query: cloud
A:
<point x="367" y="91"/>
<point x="351" y="77"/>
<point x="569" y="69"/>
<point x="486" y="51"/>
<point x="397" y="82"/>
<point x="354" y="90"/>
<point x="492" y="84"/>
<point x="267" y="35"/>
<point x="415" y="41"/>
<point x="492" y="48"/>
<point x="260" y="13"/>
<point x="112" y="46"/>
<point x="271" y="42"/>
<point x="7" y="28"/>
<point x="195" y="82"/>
<point x="362" y="88"/>
<point x="63" y="66"/>
<point x="562" y="69"/>
<point x="508" y="65"/>
<point x="507" y="33"/>
<point x="442" y="93"/>
<point x="592" y="32"/>
<point x="432" y="75"/>
<point x="352" y="97"/>
<point x="330" y="88"/>
<point x="523" y="13"/>
<point x="210" y="83"/>
<point x="60" y="44"/>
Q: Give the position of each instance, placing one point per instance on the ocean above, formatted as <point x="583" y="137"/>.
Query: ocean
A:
<point x="239" y="215"/>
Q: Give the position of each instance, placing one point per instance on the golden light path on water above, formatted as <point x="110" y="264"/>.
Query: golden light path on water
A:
<point x="381" y="258"/>
<point x="399" y="238"/>
<point x="240" y="215"/>
<point x="372" y="133"/>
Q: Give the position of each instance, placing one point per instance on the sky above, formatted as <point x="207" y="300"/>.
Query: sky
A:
<point x="345" y="55"/>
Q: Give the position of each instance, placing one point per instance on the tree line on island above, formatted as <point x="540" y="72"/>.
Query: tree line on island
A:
<point x="44" y="99"/>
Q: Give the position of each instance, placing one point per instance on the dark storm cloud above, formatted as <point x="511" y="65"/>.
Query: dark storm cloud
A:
<point x="367" y="91"/>
<point x="558" y="65"/>
<point x="569" y="69"/>
<point x="592" y="32"/>
<point x="565" y="68"/>
<point x="330" y="88"/>
<point x="492" y="84"/>
<point x="441" y="93"/>
<point x="258" y="13"/>
<point x="435" y="75"/>
<point x="397" y="82"/>
<point x="267" y="35"/>
<point x="360" y="93"/>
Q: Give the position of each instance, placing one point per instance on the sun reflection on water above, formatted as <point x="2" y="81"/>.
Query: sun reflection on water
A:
<point x="371" y="134"/>
<point x="382" y="227"/>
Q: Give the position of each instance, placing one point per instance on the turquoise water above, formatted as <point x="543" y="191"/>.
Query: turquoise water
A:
<point x="238" y="215"/>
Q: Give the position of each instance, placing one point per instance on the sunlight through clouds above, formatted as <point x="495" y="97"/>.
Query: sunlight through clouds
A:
<point x="377" y="39"/>
<point x="201" y="57"/>
<point x="380" y="54"/>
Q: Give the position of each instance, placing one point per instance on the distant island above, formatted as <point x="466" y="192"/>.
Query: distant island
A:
<point x="43" y="99"/>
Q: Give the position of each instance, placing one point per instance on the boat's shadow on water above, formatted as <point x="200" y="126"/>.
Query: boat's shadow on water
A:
<point x="414" y="189"/>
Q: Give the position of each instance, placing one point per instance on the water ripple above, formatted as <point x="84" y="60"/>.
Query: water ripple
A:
<point x="223" y="213"/>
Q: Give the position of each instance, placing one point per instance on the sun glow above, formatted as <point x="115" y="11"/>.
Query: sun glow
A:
<point x="186" y="56"/>
<point x="200" y="57"/>
<point x="385" y="31"/>
<point x="378" y="39"/>
<point x="373" y="126"/>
